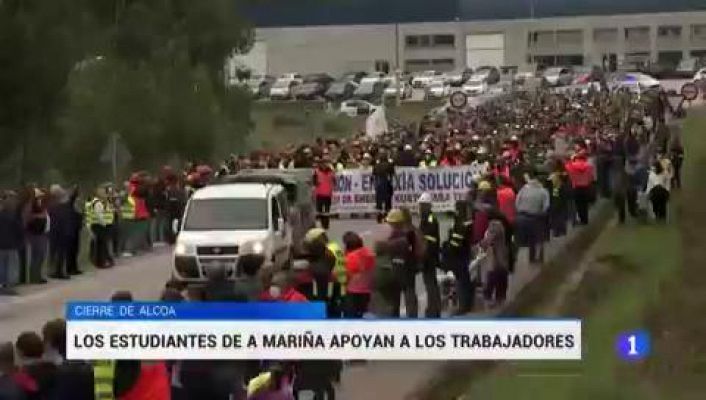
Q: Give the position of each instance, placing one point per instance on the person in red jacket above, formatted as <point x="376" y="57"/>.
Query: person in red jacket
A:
<point x="281" y="289"/>
<point x="152" y="383"/>
<point x="506" y="198"/>
<point x="360" y="263"/>
<point x="582" y="176"/>
<point x="324" y="183"/>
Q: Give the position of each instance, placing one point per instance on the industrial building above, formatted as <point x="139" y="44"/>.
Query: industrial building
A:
<point x="338" y="36"/>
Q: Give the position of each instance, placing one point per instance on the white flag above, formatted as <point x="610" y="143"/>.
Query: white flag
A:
<point x="376" y="124"/>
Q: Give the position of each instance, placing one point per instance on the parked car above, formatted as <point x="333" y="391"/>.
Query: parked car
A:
<point x="406" y="90"/>
<point x="475" y="86"/>
<point x="324" y="79"/>
<point x="292" y="76"/>
<point x="424" y="78"/>
<point x="587" y="74"/>
<point x="558" y="76"/>
<point x="369" y="89"/>
<point x="282" y="89"/>
<point x="353" y="76"/>
<point x="259" y="85"/>
<point x="458" y="77"/>
<point x="309" y="91"/>
<point x="341" y="90"/>
<point x="491" y="75"/>
<point x="353" y="108"/>
<point x="635" y="82"/>
<point x="700" y="75"/>
<point x="688" y="67"/>
<point x="437" y="89"/>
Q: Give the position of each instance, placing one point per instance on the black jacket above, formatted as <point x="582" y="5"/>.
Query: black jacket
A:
<point x="429" y="226"/>
<point x="10" y="230"/>
<point x="60" y="222"/>
<point x="74" y="381"/>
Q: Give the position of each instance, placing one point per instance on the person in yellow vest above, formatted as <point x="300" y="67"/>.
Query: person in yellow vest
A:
<point x="99" y="216"/>
<point x="127" y="224"/>
<point x="328" y="269"/>
<point x="103" y="379"/>
<point x="429" y="161"/>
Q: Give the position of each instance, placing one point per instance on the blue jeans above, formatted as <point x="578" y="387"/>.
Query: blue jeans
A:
<point x="9" y="267"/>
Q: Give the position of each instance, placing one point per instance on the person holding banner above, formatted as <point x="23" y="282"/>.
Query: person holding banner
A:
<point x="383" y="177"/>
<point x="324" y="183"/>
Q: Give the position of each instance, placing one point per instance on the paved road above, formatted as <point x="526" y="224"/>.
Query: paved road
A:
<point x="144" y="276"/>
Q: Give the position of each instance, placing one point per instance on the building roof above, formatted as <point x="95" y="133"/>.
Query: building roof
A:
<point x="276" y="13"/>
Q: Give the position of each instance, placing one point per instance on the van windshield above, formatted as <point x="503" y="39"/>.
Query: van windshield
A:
<point x="226" y="215"/>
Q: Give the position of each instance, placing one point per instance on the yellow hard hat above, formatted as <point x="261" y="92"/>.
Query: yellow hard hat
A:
<point x="395" y="216"/>
<point x="484" y="185"/>
<point x="314" y="234"/>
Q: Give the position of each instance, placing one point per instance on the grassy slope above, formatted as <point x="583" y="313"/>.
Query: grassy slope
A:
<point x="307" y="120"/>
<point x="641" y="277"/>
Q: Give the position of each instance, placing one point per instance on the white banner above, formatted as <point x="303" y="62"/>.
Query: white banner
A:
<point x="355" y="189"/>
<point x="331" y="339"/>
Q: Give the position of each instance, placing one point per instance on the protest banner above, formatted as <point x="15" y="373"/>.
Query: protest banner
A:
<point x="355" y="188"/>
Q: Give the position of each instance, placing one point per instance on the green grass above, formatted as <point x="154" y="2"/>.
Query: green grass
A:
<point x="623" y="284"/>
<point x="279" y="123"/>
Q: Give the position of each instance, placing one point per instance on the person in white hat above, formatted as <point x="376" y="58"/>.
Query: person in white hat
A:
<point x="429" y="226"/>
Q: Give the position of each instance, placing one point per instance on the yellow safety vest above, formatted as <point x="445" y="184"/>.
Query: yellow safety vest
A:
<point x="103" y="377"/>
<point x="127" y="208"/>
<point x="339" y="269"/>
<point x="423" y="164"/>
<point x="92" y="215"/>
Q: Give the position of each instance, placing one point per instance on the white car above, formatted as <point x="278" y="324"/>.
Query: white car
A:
<point x="558" y="76"/>
<point x="425" y="78"/>
<point x="282" y="89"/>
<point x="437" y="90"/>
<point x="475" y="87"/>
<point x="291" y="76"/>
<point x="406" y="90"/>
<point x="222" y="222"/>
<point x="635" y="82"/>
<point x="700" y="75"/>
<point x="354" y="108"/>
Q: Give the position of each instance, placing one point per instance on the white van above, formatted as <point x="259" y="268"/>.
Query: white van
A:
<point x="249" y="213"/>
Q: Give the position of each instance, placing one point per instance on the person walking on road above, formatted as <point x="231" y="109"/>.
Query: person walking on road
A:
<point x="658" y="186"/>
<point x="457" y="256"/>
<point x="59" y="232"/>
<point x="10" y="237"/>
<point x="37" y="228"/>
<point x="324" y="183"/>
<point x="99" y="215"/>
<point x="360" y="265"/>
<point x="582" y="176"/>
<point x="532" y="204"/>
<point x="75" y="225"/>
<point x="429" y="227"/>
<point x="383" y="178"/>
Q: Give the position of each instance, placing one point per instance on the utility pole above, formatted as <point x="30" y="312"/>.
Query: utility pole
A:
<point x="398" y="70"/>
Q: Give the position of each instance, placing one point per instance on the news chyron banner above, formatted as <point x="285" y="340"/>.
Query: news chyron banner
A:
<point x="299" y="331"/>
<point x="355" y="188"/>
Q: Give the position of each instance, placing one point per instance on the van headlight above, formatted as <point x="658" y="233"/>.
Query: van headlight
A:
<point x="182" y="249"/>
<point x="258" y="248"/>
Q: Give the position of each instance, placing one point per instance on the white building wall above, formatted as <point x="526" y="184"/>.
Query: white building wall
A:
<point x="338" y="49"/>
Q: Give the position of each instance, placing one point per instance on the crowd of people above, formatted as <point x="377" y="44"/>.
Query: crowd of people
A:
<point x="547" y="158"/>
